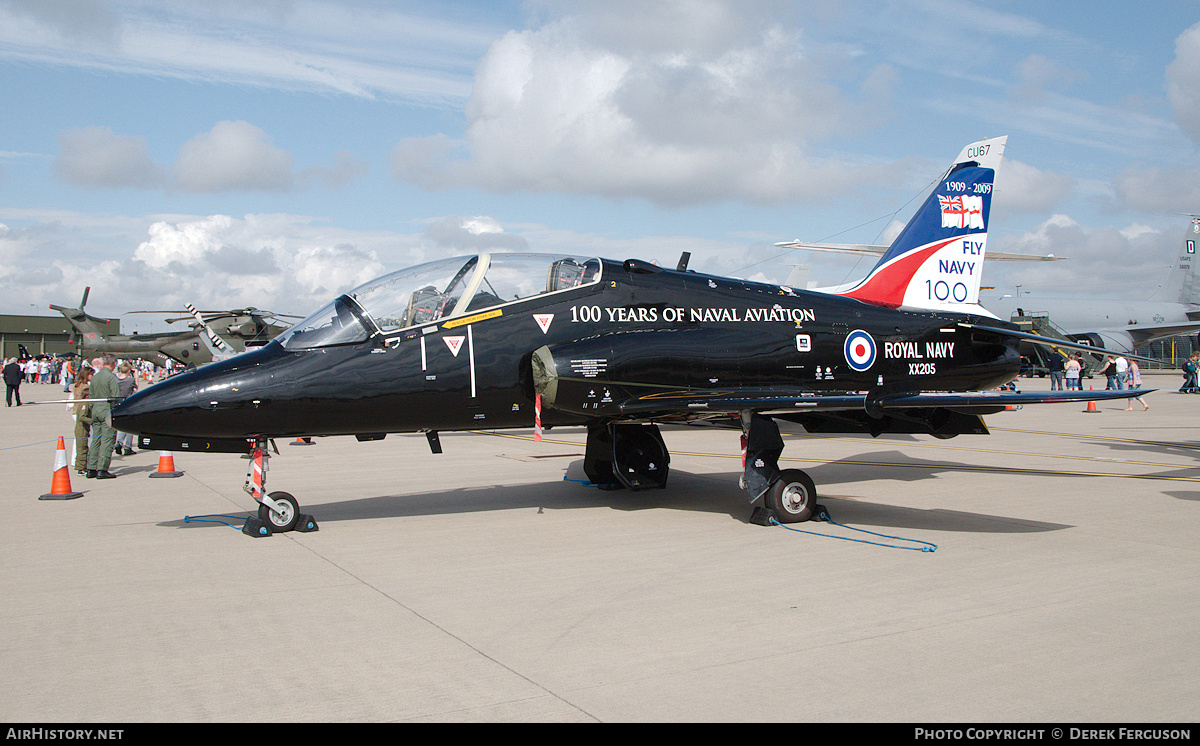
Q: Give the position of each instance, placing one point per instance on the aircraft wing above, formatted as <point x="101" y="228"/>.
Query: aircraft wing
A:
<point x="873" y="250"/>
<point x="778" y="400"/>
<point x="1146" y="333"/>
<point x="1044" y="341"/>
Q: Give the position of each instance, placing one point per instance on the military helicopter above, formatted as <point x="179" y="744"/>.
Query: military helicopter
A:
<point x="246" y="327"/>
<point x="522" y="340"/>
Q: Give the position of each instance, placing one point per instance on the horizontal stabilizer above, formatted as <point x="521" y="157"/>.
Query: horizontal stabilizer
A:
<point x="1039" y="339"/>
<point x="877" y="250"/>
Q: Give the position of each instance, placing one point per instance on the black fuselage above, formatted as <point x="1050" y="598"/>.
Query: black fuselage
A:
<point x="639" y="327"/>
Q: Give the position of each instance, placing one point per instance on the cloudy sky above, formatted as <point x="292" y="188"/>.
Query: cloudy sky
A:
<point x="277" y="153"/>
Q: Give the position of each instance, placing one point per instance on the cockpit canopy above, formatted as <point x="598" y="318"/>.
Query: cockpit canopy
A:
<point x="438" y="290"/>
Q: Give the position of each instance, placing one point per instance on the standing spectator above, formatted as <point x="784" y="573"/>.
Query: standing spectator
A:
<point x="1135" y="382"/>
<point x="83" y="418"/>
<point x="126" y="385"/>
<point x="1122" y="366"/>
<point x="1110" y="371"/>
<point x="68" y="374"/>
<point x="1073" y="369"/>
<point x="103" y="386"/>
<point x="1057" y="371"/>
<point x="12" y="381"/>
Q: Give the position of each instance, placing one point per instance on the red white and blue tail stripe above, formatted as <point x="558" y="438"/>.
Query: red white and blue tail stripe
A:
<point x="936" y="262"/>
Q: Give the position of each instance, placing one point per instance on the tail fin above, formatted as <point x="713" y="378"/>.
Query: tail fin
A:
<point x="1182" y="282"/>
<point x="93" y="330"/>
<point x="936" y="262"/>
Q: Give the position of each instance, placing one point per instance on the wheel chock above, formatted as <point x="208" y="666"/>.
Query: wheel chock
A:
<point x="306" y="524"/>
<point x="256" y="527"/>
<point x="762" y="517"/>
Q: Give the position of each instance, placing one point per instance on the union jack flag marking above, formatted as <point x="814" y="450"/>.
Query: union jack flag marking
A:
<point x="961" y="212"/>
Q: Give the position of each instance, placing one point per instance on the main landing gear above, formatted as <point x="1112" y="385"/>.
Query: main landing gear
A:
<point x="277" y="511"/>
<point x="634" y="456"/>
<point x="788" y="495"/>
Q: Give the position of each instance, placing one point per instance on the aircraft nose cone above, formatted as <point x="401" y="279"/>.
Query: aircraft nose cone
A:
<point x="152" y="410"/>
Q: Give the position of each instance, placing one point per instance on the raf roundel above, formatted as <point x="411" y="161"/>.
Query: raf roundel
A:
<point x="860" y="350"/>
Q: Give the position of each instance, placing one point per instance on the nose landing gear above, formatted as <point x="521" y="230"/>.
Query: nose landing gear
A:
<point x="277" y="511"/>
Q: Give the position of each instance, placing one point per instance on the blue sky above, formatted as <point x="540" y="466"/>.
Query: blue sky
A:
<point x="275" y="154"/>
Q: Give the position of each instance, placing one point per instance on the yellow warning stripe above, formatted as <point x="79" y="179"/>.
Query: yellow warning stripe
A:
<point x="472" y="319"/>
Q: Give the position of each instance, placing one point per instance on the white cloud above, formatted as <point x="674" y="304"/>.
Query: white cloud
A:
<point x="1183" y="82"/>
<point x="593" y="104"/>
<point x="1023" y="188"/>
<point x="257" y="260"/>
<point x="95" y="158"/>
<point x="232" y="156"/>
<point x="480" y="233"/>
<point x="346" y="168"/>
<point x="286" y="263"/>
<point x="1160" y="189"/>
<point x="1102" y="261"/>
<point x="365" y="50"/>
<point x="1037" y="73"/>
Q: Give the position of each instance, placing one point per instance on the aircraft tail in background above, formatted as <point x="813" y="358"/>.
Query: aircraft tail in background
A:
<point x="936" y="263"/>
<point x="92" y="330"/>
<point x="1182" y="284"/>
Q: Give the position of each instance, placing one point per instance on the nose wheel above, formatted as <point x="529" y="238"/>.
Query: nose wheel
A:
<point x="277" y="511"/>
<point x="283" y="515"/>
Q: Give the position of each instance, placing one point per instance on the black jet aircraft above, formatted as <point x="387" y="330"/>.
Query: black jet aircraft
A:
<point x="519" y="340"/>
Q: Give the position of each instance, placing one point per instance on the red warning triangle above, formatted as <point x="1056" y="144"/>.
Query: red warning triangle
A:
<point x="543" y="320"/>
<point x="454" y="343"/>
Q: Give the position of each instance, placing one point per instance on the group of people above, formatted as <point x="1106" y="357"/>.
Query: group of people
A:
<point x="1120" y="372"/>
<point x="98" y="386"/>
<point x="1066" y="372"/>
<point x="46" y="369"/>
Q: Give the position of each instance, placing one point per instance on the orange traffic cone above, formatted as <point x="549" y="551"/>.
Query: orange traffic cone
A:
<point x="166" y="466"/>
<point x="1091" y="407"/>
<point x="302" y="442"/>
<point x="60" y="485"/>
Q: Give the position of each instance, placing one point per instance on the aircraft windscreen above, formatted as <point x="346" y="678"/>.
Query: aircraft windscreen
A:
<point x="417" y="295"/>
<point x="335" y="324"/>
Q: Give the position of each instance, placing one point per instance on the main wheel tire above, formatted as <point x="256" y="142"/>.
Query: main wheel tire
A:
<point x="792" y="496"/>
<point x="285" y="520"/>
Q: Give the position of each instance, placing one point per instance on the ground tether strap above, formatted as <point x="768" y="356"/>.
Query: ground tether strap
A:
<point x="212" y="518"/>
<point x="823" y="515"/>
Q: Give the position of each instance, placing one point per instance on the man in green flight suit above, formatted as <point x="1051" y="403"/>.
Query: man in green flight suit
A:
<point x="104" y="386"/>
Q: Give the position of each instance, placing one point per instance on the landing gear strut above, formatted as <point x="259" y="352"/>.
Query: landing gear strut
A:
<point x="625" y="455"/>
<point x="277" y="511"/>
<point x="788" y="496"/>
